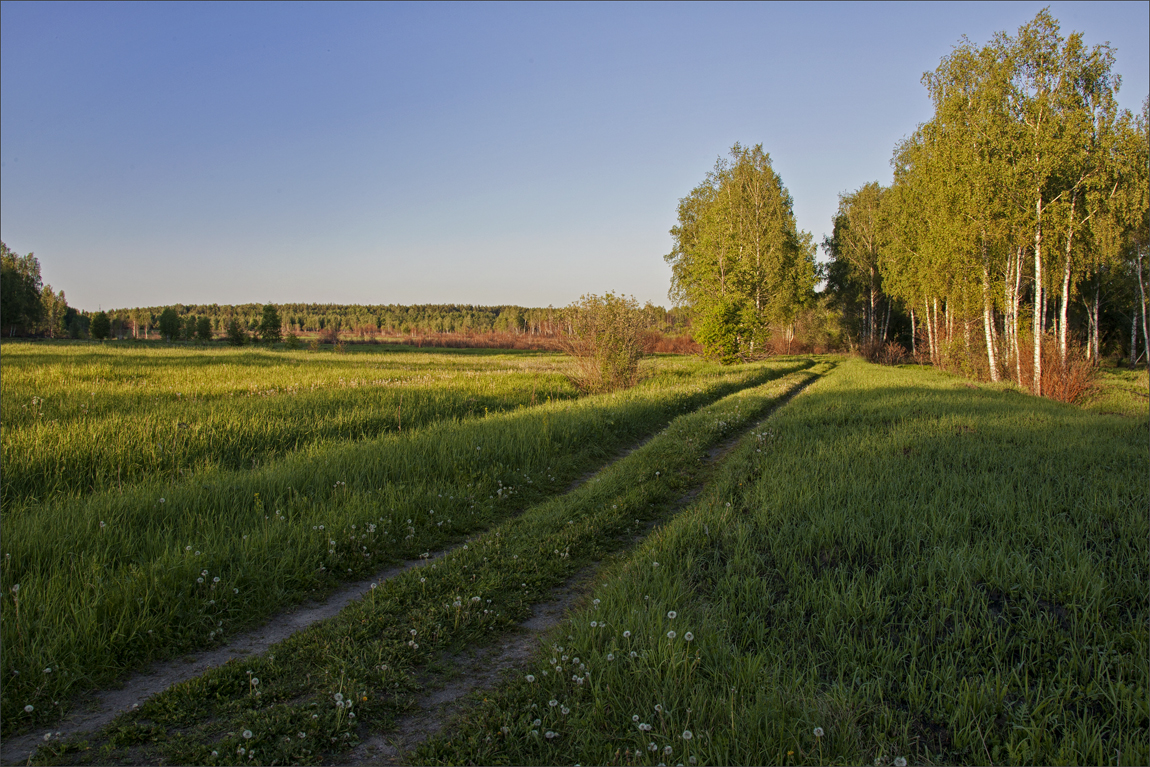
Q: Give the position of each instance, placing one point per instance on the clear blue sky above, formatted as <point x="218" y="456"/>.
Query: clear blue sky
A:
<point x="156" y="153"/>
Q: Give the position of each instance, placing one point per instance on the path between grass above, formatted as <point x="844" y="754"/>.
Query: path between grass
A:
<point x="196" y="721"/>
<point x="97" y="709"/>
<point x="479" y="668"/>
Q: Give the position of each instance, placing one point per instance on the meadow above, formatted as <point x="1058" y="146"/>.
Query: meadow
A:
<point x="101" y="583"/>
<point x="891" y="566"/>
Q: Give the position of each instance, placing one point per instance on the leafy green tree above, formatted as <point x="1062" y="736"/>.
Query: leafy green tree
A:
<point x="739" y="261"/>
<point x="203" y="329"/>
<point x="101" y="326"/>
<point x="235" y="334"/>
<point x="170" y="324"/>
<point x="20" y="285"/>
<point x="55" y="307"/>
<point x="270" y="325"/>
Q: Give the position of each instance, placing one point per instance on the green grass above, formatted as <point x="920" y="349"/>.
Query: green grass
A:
<point x="1122" y="391"/>
<point x="84" y="418"/>
<point x="895" y="567"/>
<point x="318" y="689"/>
<point x="110" y="581"/>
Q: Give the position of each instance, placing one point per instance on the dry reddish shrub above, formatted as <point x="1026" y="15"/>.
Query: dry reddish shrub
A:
<point x="655" y="342"/>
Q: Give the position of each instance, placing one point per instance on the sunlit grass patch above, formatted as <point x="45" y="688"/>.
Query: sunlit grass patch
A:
<point x="359" y="668"/>
<point x="110" y="581"/>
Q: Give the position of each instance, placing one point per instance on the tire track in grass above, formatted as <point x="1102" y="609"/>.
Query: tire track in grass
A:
<point x="101" y="707"/>
<point x="365" y="654"/>
<point x="137" y="570"/>
<point x="453" y="687"/>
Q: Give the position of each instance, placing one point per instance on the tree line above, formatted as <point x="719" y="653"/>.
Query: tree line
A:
<point x="1015" y="231"/>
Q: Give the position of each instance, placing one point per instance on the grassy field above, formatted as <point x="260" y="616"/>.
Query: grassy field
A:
<point x="99" y="584"/>
<point x="897" y="568"/>
<point x="85" y="418"/>
<point x="895" y="565"/>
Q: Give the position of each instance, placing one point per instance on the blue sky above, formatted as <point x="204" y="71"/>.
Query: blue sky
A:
<point x="157" y="153"/>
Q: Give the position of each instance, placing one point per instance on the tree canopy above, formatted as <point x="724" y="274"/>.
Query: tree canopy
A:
<point x="739" y="262"/>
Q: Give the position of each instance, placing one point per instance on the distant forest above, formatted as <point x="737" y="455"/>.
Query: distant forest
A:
<point x="364" y="322"/>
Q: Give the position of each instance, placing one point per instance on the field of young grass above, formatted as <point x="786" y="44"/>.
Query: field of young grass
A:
<point x="86" y="418"/>
<point x="897" y="568"/>
<point x="1121" y="391"/>
<point x="101" y="583"/>
<point x="310" y="697"/>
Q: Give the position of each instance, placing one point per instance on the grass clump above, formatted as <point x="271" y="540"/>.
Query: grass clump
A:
<point x="894" y="568"/>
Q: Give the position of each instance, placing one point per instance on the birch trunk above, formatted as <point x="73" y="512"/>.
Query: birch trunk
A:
<point x="988" y="320"/>
<point x="1039" y="308"/>
<point x="1142" y="292"/>
<point x="1064" y="314"/>
<point x="913" y="343"/>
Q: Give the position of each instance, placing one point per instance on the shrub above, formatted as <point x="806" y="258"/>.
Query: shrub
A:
<point x="203" y="329"/>
<point x="606" y="337"/>
<point x="170" y="324"/>
<point x="101" y="326"/>
<point x="270" y="324"/>
<point x="292" y="341"/>
<point x="236" y="334"/>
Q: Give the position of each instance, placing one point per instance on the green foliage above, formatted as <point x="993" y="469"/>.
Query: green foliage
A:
<point x="738" y="255"/>
<point x="170" y="324"/>
<point x="292" y="341"/>
<point x="235" y="334"/>
<point x="270" y="325"/>
<point x="20" y="306"/>
<point x="101" y="326"/>
<point x="203" y="329"/>
<point x="606" y="340"/>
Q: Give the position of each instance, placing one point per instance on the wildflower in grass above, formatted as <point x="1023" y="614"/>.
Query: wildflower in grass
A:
<point x="626" y="634"/>
<point x="552" y="703"/>
<point x="255" y="681"/>
<point x="670" y="634"/>
<point x="652" y="746"/>
<point x="667" y="750"/>
<point x="693" y="760"/>
<point x="530" y="677"/>
<point x="162" y="500"/>
<point x="610" y="656"/>
<point x="551" y="735"/>
<point x="247" y="734"/>
<point x="302" y="735"/>
<point x="594" y="624"/>
<point x="102" y="525"/>
<point x="672" y="615"/>
<point x="537" y="722"/>
<point x="16" y="588"/>
<point x="656" y="564"/>
<point x="688" y="636"/>
<point x="634" y="654"/>
<point x="29" y="708"/>
<point x="200" y="580"/>
<point x="215" y="753"/>
<point x="900" y="762"/>
<point x="818" y="732"/>
<point x="216" y="579"/>
<point x="634" y="717"/>
<point x="564" y="710"/>
<point x="658" y="708"/>
<point x="339" y="697"/>
<point x="687" y="735"/>
<point x="48" y="670"/>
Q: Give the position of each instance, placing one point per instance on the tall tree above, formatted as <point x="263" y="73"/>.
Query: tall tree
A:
<point x="739" y="261"/>
<point x="270" y="325"/>
<point x="20" y="285"/>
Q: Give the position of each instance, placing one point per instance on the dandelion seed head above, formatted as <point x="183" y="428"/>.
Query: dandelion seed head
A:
<point x="29" y="708"/>
<point x="672" y="614"/>
<point x="247" y="734"/>
<point x="818" y="732"/>
<point x="687" y="735"/>
<point x="688" y="636"/>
